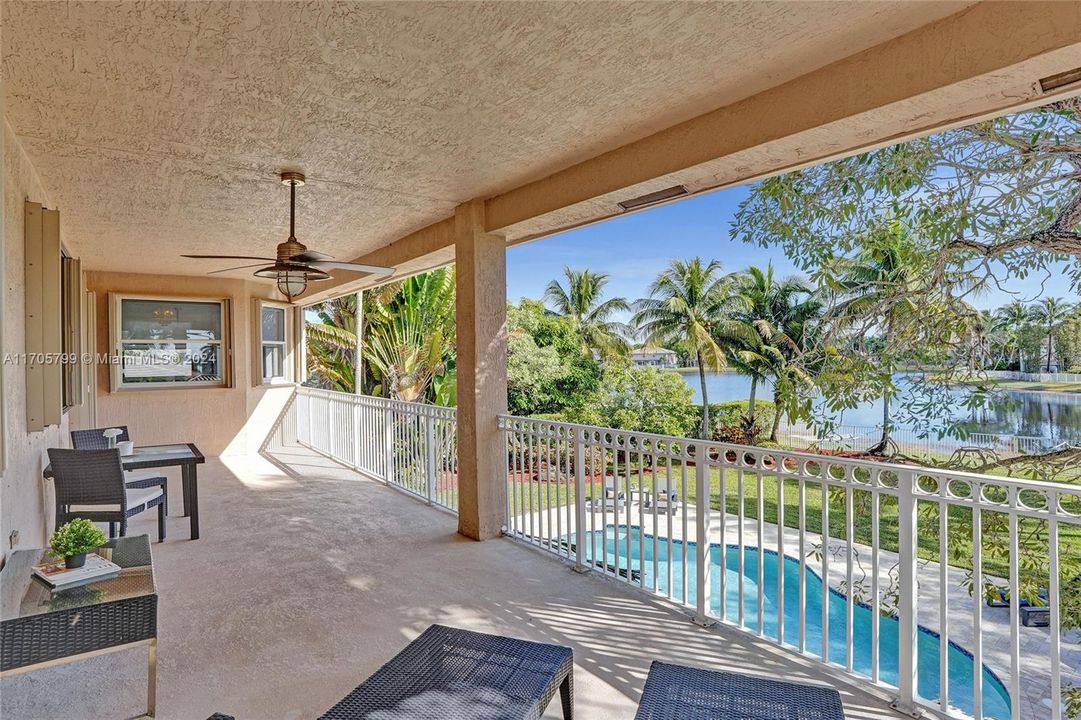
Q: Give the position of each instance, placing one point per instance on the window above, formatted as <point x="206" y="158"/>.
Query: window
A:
<point x="273" y="355"/>
<point x="166" y="342"/>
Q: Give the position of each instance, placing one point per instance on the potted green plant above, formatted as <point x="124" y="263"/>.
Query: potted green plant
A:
<point x="73" y="540"/>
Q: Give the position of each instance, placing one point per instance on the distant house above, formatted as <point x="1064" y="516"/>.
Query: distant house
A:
<point x="655" y="357"/>
<point x="1048" y="365"/>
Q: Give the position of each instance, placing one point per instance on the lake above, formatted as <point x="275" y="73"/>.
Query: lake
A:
<point x="1035" y="414"/>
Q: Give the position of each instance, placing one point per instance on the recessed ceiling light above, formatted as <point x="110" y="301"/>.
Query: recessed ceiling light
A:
<point x="653" y="197"/>
<point x="1060" y="80"/>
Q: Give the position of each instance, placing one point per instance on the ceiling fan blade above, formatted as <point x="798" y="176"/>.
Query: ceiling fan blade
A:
<point x="229" y="257"/>
<point x="238" y="267"/>
<point x="354" y="267"/>
<point x="309" y="256"/>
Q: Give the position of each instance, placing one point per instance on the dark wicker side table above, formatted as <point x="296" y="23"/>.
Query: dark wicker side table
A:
<point x="40" y="627"/>
<point x="458" y="674"/>
<point x="677" y="692"/>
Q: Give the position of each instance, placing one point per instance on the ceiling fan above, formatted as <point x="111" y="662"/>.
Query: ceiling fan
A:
<point x="295" y="265"/>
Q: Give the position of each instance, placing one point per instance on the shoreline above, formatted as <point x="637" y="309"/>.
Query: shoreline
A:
<point x="1053" y="388"/>
<point x="1069" y="389"/>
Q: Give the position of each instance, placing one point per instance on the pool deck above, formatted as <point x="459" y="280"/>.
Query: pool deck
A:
<point x="1034" y="641"/>
<point x="308" y="577"/>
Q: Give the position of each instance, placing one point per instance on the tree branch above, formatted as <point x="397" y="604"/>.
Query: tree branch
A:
<point x="1060" y="237"/>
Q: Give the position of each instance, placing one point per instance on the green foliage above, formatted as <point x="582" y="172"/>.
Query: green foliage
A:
<point x="1000" y="189"/>
<point x="731" y="412"/>
<point x="772" y="334"/>
<point x="643" y="399"/>
<point x="75" y="538"/>
<point x="1050" y="315"/>
<point x="409" y="340"/>
<point x="532" y="374"/>
<point x="332" y="344"/>
<point x="910" y="233"/>
<point x="546" y="368"/>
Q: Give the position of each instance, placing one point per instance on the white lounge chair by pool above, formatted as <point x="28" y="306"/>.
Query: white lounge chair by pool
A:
<point x="612" y="498"/>
<point x="664" y="497"/>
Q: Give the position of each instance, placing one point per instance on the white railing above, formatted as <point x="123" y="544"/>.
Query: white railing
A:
<point x="1033" y="377"/>
<point x="836" y="558"/>
<point x="1014" y="444"/>
<point x="411" y="446"/>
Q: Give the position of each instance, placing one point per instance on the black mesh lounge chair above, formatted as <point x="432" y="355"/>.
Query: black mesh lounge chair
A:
<point x="90" y="484"/>
<point x="678" y="692"/>
<point x="94" y="439"/>
<point x="455" y="674"/>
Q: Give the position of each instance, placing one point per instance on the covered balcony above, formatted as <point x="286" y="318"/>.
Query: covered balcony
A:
<point x="330" y="529"/>
<point x="283" y="624"/>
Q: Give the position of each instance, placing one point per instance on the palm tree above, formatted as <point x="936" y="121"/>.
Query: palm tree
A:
<point x="801" y="325"/>
<point x="768" y="331"/>
<point x="332" y="343"/>
<point x="1050" y="313"/>
<point x="410" y="340"/>
<point x="755" y="331"/>
<point x="1011" y="320"/>
<point x="685" y="304"/>
<point x="881" y="283"/>
<point x="581" y="302"/>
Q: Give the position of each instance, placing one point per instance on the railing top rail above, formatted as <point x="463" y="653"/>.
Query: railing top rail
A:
<point x="507" y="422"/>
<point x="422" y="408"/>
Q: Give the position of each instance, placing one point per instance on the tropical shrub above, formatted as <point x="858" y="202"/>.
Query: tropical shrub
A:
<point x="532" y="375"/>
<point x="331" y="343"/>
<point x="410" y="340"/>
<point x="534" y="383"/>
<point x="730" y="413"/>
<point x="643" y="399"/>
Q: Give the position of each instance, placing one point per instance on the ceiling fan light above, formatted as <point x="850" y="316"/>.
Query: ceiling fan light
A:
<point x="292" y="284"/>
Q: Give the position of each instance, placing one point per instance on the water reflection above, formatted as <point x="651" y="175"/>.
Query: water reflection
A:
<point x="1035" y="414"/>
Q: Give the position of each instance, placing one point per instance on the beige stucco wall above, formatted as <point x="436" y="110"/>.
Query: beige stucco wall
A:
<point x="24" y="495"/>
<point x="219" y="420"/>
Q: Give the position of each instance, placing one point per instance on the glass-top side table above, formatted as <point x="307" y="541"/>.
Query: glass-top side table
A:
<point x="41" y="627"/>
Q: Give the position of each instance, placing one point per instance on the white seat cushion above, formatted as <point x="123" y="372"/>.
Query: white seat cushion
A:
<point x="136" y="497"/>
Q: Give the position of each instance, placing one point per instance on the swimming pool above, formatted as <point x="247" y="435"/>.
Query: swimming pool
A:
<point x="996" y="699"/>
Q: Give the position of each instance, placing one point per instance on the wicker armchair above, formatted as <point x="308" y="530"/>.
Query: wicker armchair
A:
<point x="94" y="439"/>
<point x="90" y="484"/>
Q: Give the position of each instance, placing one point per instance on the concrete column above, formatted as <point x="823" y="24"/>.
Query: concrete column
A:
<point x="482" y="373"/>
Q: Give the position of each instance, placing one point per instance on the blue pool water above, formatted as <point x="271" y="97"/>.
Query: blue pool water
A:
<point x="996" y="699"/>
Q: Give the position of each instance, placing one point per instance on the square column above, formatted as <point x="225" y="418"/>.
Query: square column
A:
<point x="481" y="315"/>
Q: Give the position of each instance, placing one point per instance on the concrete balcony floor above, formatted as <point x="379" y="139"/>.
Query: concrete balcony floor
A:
<point x="308" y="577"/>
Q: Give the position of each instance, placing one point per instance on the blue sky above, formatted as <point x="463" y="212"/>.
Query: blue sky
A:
<point x="633" y="248"/>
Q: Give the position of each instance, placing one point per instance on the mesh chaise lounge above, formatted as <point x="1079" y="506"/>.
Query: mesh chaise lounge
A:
<point x="451" y="673"/>
<point x="677" y="692"/>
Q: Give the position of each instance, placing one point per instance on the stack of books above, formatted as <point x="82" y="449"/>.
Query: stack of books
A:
<point x="59" y="577"/>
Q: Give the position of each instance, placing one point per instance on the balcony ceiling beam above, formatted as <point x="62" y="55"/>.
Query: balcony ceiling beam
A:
<point x="976" y="63"/>
<point x="979" y="62"/>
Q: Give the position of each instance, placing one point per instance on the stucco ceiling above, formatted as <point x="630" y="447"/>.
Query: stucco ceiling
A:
<point x="159" y="128"/>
